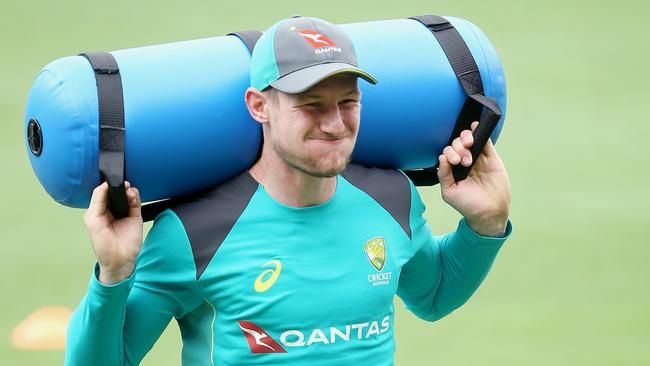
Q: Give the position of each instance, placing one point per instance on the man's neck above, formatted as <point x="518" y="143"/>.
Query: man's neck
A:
<point x="289" y="185"/>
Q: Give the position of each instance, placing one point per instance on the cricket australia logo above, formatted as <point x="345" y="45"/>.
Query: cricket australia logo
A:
<point x="376" y="252"/>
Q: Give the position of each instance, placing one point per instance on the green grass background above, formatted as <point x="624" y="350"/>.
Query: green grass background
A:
<point x="572" y="286"/>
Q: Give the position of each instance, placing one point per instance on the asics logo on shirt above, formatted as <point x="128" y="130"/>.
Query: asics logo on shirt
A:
<point x="264" y="282"/>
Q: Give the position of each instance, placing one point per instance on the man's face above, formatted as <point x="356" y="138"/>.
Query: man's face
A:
<point x="315" y="131"/>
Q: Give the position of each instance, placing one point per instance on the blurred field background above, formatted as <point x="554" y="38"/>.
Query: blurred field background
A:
<point x="572" y="286"/>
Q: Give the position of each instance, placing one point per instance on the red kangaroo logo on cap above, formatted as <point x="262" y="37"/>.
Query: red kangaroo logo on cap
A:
<point x="316" y="39"/>
<point x="258" y="340"/>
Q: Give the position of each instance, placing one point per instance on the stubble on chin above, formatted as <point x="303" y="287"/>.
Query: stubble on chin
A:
<point x="319" y="168"/>
<point x="319" y="171"/>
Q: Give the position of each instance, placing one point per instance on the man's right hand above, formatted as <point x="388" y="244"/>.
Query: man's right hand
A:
<point x="116" y="242"/>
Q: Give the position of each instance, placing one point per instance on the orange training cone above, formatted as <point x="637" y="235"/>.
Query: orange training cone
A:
<point x="44" y="329"/>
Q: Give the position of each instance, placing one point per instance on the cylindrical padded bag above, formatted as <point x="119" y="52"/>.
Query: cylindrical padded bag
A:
<point x="187" y="127"/>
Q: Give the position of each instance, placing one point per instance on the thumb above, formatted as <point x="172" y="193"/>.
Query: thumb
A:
<point x="489" y="149"/>
<point x="445" y="176"/>
<point x="135" y="206"/>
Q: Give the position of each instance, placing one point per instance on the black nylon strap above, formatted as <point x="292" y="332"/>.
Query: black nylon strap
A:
<point x="488" y="120"/>
<point x="249" y="38"/>
<point x="469" y="77"/>
<point x="111" y="128"/>
<point x="151" y="210"/>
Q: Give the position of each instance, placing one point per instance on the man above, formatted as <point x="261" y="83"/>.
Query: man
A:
<point x="296" y="261"/>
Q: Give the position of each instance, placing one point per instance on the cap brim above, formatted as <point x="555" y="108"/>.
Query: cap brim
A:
<point x="303" y="79"/>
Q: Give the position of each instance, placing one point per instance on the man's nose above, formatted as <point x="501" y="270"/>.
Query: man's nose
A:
<point x="331" y="122"/>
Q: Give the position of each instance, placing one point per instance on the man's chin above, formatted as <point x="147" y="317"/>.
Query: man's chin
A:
<point x="320" y="170"/>
<point x="323" y="173"/>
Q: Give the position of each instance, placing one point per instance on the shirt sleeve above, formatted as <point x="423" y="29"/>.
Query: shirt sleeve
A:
<point x="118" y="324"/>
<point x="445" y="270"/>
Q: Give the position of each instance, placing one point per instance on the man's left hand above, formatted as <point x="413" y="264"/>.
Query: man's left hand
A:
<point x="483" y="198"/>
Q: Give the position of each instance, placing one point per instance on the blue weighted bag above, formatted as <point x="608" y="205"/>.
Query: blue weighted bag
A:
<point x="186" y="127"/>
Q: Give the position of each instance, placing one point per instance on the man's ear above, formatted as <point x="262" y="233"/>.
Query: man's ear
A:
<point x="257" y="105"/>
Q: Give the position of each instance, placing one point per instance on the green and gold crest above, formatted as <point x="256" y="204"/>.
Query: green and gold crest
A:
<point x="376" y="252"/>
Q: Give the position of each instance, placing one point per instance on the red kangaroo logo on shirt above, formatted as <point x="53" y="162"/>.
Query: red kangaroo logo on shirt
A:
<point x="316" y="39"/>
<point x="258" y="340"/>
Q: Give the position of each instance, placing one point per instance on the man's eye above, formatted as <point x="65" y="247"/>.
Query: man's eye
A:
<point x="349" y="101"/>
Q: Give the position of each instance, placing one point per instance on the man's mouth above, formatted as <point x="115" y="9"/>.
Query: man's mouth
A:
<point x="328" y="140"/>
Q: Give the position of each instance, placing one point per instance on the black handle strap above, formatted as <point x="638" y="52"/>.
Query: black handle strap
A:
<point x="111" y="128"/>
<point x="487" y="122"/>
<point x="467" y="72"/>
<point x="151" y="210"/>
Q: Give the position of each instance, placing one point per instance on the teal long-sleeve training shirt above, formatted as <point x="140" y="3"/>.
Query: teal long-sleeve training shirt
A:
<point x="251" y="281"/>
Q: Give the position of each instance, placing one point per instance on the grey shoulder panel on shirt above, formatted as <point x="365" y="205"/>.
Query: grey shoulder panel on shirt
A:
<point x="209" y="216"/>
<point x="388" y="187"/>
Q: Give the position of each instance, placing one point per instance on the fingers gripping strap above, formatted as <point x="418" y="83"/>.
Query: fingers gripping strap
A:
<point x="111" y="128"/>
<point x="487" y="122"/>
<point x="469" y="77"/>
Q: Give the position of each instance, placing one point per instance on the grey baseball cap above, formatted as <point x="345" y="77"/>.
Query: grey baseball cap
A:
<point x="295" y="54"/>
